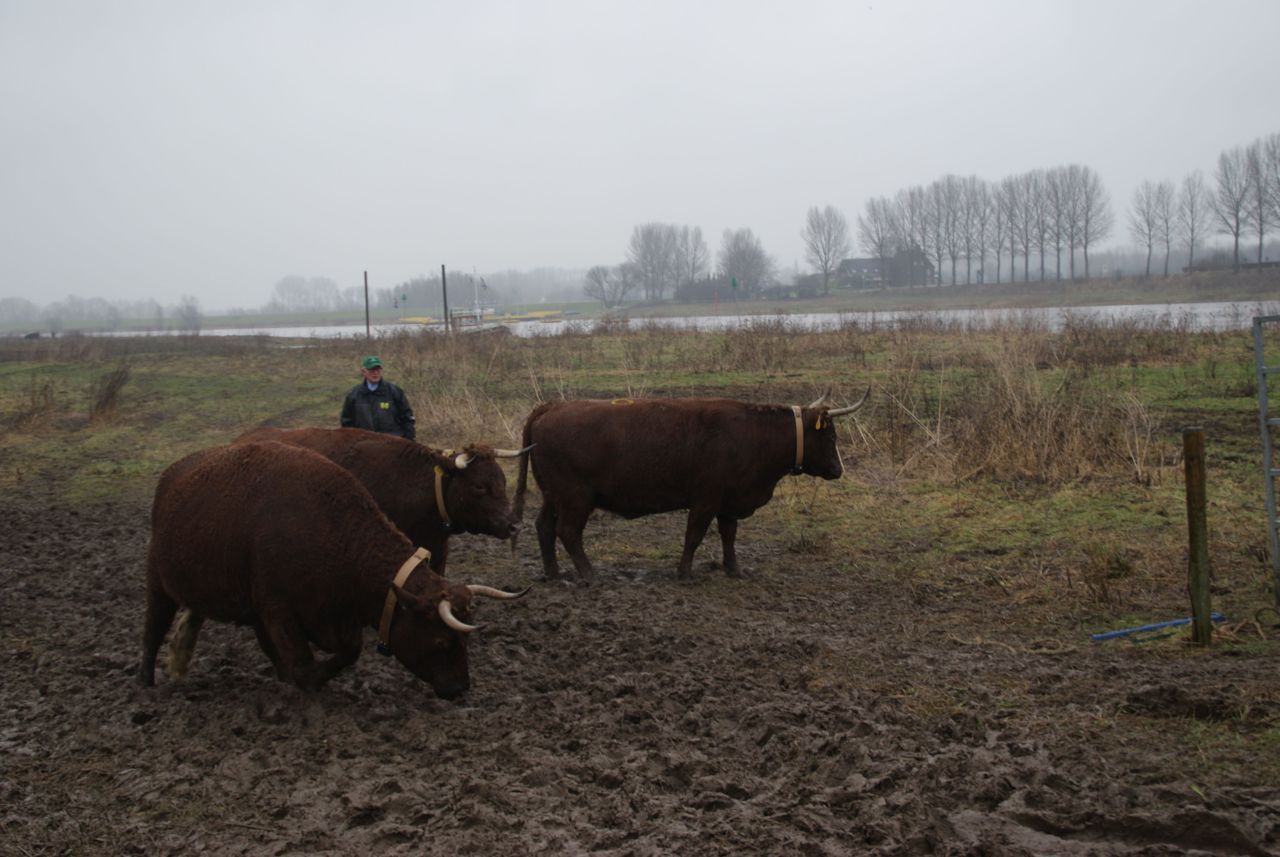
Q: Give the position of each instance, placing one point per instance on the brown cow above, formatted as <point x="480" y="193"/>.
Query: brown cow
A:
<point x="428" y="494"/>
<point x="718" y="458"/>
<point x="282" y="539"/>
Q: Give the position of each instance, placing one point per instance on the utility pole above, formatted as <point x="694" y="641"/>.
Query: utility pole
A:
<point x="444" y="288"/>
<point x="366" y="306"/>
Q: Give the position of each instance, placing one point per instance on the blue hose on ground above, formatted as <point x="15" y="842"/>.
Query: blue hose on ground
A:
<point x="1124" y="632"/>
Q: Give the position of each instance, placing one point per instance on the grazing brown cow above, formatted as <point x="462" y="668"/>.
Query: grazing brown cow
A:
<point x="428" y="494"/>
<point x="718" y="458"/>
<point x="282" y="539"/>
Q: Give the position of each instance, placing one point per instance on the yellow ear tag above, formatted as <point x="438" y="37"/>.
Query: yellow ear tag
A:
<point x="818" y="423"/>
<point x="439" y="470"/>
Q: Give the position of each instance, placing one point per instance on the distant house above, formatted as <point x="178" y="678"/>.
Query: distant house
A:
<point x="859" y="274"/>
<point x="908" y="267"/>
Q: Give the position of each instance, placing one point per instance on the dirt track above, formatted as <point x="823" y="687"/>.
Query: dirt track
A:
<point x="807" y="709"/>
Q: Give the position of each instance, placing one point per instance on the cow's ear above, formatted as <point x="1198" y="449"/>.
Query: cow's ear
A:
<point x="410" y="601"/>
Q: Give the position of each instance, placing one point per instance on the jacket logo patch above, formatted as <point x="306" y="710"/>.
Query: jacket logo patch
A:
<point x="386" y="406"/>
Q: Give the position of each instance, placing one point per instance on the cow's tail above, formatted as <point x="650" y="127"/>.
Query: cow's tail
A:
<point x="522" y="480"/>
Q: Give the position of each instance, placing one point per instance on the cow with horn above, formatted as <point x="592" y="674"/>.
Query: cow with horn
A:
<point x="282" y="539"/>
<point x="428" y="494"/>
<point x="718" y="458"/>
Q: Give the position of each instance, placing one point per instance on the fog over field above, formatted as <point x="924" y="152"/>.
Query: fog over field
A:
<point x="166" y="151"/>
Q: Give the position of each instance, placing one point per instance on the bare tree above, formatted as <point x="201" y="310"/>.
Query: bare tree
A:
<point x="1228" y="201"/>
<point x="1193" y="211"/>
<point x="877" y="232"/>
<point x="826" y="241"/>
<point x="1166" y="213"/>
<point x="1271" y="170"/>
<point x="692" y="255"/>
<point x="609" y="285"/>
<point x="1258" y="200"/>
<point x="1073" y="209"/>
<point x="980" y="211"/>
<point x="598" y="284"/>
<point x="949" y="209"/>
<point x="1011" y="204"/>
<point x="743" y="260"/>
<point x="1096" y="215"/>
<point x="1056" y="185"/>
<point x="653" y="251"/>
<point x="937" y="223"/>
<point x="999" y="226"/>
<point x="913" y="225"/>
<point x="189" y="315"/>
<point x="1026" y="220"/>
<point x="1041" y="214"/>
<point x="1142" y="217"/>
<point x="18" y="310"/>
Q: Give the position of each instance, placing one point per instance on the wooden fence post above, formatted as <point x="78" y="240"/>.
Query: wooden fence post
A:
<point x="1197" y="527"/>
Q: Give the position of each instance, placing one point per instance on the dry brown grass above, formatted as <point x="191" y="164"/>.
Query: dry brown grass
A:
<point x="104" y="393"/>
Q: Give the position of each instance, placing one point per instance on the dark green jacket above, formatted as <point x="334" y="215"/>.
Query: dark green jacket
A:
<point x="384" y="410"/>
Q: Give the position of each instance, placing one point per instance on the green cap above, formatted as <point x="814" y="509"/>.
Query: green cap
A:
<point x="371" y="362"/>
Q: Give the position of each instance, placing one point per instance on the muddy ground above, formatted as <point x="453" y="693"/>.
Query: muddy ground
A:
<point x="813" y="708"/>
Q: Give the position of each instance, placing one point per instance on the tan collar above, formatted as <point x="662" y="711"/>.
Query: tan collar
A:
<point x="389" y="606"/>
<point x="795" y="409"/>
<point x="444" y="514"/>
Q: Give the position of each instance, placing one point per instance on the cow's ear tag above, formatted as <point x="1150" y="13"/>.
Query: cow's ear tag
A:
<point x="818" y="423"/>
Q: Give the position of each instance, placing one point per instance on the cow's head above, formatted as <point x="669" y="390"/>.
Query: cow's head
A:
<point x="821" y="446"/>
<point x="428" y="644"/>
<point x="429" y="630"/>
<point x="476" y="498"/>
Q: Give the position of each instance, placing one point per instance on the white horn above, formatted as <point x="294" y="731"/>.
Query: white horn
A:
<point x="446" y="613"/>
<point x="512" y="453"/>
<point x="490" y="592"/>
<point x="839" y="412"/>
<point x="820" y="399"/>
<point x="462" y="461"/>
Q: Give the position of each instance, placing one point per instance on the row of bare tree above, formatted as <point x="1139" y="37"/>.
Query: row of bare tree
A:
<point x="74" y="313"/>
<point x="1245" y="200"/>
<point x="664" y="258"/>
<point x="1036" y="218"/>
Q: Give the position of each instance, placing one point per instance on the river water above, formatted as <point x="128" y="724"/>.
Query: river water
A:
<point x="1197" y="316"/>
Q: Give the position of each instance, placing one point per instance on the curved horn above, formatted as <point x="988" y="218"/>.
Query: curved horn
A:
<point x="462" y="461"/>
<point x="840" y="412"/>
<point x="446" y="613"/>
<point x="820" y="399"/>
<point x="512" y="453"/>
<point x="490" y="592"/>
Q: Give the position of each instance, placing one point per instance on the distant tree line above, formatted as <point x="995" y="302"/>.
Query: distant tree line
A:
<point x="1042" y="221"/>
<point x="73" y="313"/>
<point x="666" y="259"/>
<point x="1243" y="204"/>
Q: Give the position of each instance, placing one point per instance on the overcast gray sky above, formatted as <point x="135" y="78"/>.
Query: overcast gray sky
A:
<point x="156" y="149"/>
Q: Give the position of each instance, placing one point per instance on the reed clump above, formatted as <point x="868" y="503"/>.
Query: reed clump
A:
<point x="104" y="393"/>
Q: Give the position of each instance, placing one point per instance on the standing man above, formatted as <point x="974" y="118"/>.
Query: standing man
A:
<point x="376" y="404"/>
